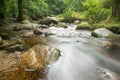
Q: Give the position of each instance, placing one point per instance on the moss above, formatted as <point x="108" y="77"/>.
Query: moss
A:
<point x="96" y="26"/>
<point x="25" y="17"/>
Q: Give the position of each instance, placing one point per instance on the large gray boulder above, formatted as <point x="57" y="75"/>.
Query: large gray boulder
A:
<point x="103" y="32"/>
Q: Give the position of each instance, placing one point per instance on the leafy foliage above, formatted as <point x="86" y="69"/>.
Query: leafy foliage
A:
<point x="95" y="10"/>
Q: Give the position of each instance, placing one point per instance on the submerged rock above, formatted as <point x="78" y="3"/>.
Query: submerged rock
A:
<point x="109" y="45"/>
<point x="103" y="32"/>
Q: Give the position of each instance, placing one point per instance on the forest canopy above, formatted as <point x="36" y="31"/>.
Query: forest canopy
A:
<point x="92" y="10"/>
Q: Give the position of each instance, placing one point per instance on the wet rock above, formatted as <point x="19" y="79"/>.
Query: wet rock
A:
<point x="12" y="47"/>
<point x="26" y="22"/>
<point x="26" y="33"/>
<point x="49" y="20"/>
<point x="15" y="47"/>
<point x="22" y="44"/>
<point x="30" y="26"/>
<point x="1" y="41"/>
<point x="39" y="56"/>
<point x="28" y="65"/>
<point x="43" y="26"/>
<point x="63" y="25"/>
<point x="43" y="32"/>
<point x="17" y="28"/>
<point x="26" y="25"/>
<point x="84" y="25"/>
<point x="109" y="45"/>
<point x="12" y="66"/>
<point x="4" y="36"/>
<point x="76" y="22"/>
<point x="31" y="41"/>
<point x="37" y="32"/>
<point x="103" y="32"/>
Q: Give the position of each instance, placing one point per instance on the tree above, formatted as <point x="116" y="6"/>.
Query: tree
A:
<point x="20" y="12"/>
<point x="116" y="10"/>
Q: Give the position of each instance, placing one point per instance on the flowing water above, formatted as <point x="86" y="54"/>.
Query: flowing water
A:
<point x="83" y="57"/>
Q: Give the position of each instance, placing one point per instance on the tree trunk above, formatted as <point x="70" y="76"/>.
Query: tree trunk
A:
<point x="20" y="14"/>
<point x="116" y="10"/>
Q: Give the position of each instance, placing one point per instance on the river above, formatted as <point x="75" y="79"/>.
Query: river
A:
<point x="83" y="57"/>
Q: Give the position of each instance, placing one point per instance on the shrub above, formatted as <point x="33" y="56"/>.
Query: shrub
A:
<point x="70" y="16"/>
<point x="95" y="11"/>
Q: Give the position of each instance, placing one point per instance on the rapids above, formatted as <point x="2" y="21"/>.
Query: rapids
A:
<point x="83" y="57"/>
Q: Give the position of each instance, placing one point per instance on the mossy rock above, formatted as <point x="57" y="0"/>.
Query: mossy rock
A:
<point x="84" y="25"/>
<point x="114" y="27"/>
<point x="49" y="20"/>
<point x="25" y="17"/>
<point x="17" y="28"/>
<point x="96" y="26"/>
<point x="31" y="41"/>
<point x="1" y="41"/>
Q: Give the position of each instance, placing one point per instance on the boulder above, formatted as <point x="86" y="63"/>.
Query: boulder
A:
<point x="40" y="55"/>
<point x="43" y="32"/>
<point x="28" y="65"/>
<point x="26" y="33"/>
<point x="12" y="46"/>
<point x="84" y="25"/>
<point x="14" y="67"/>
<point x="49" y="20"/>
<point x="77" y="22"/>
<point x="103" y="32"/>
<point x="63" y="25"/>
<point x="109" y="45"/>
<point x="43" y="26"/>
<point x="26" y="22"/>
<point x="26" y="25"/>
<point x="37" y="32"/>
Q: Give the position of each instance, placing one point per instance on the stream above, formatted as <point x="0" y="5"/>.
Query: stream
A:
<point x="83" y="57"/>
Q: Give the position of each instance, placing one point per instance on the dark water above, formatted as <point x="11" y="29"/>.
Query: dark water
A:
<point x="83" y="57"/>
